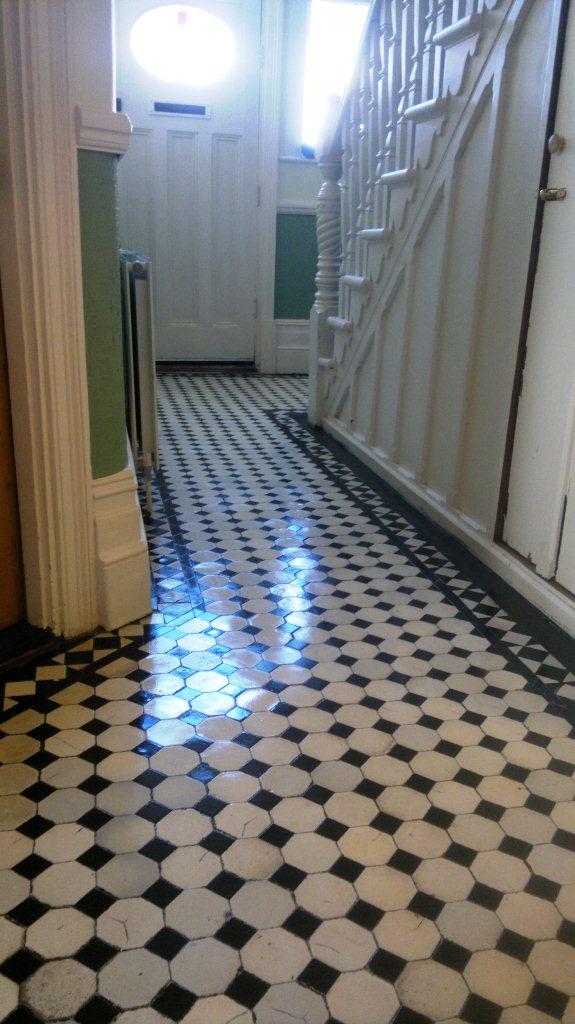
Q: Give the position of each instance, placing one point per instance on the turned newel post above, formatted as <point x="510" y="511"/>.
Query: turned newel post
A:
<point x="328" y="270"/>
<point x="328" y="227"/>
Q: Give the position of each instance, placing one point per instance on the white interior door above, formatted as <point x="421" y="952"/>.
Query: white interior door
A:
<point x="540" y="521"/>
<point x="188" y="187"/>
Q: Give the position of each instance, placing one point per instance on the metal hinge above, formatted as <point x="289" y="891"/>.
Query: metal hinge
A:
<point x="256" y="309"/>
<point x="552" y="195"/>
<point x="258" y="195"/>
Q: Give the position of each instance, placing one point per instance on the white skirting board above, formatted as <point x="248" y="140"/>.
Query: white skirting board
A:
<point x="122" y="563"/>
<point x="292" y="346"/>
<point x="552" y="601"/>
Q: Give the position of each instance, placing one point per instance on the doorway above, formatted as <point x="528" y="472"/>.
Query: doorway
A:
<point x="540" y="519"/>
<point x="188" y="192"/>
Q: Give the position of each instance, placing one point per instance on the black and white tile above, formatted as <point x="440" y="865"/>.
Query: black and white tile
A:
<point x="328" y="781"/>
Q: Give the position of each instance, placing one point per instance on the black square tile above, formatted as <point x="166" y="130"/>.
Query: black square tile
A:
<point x="264" y="799"/>
<point x="331" y="829"/>
<point x="318" y="976"/>
<point x="226" y="884"/>
<point x="318" y="794"/>
<point x="31" y="866"/>
<point x="247" y="989"/>
<point x="543" y="887"/>
<point x="406" y="1016"/>
<point x="95" y="954"/>
<point x="566" y="933"/>
<point x="97" y="1011"/>
<point x="95" y="903"/>
<point x="217" y="842"/>
<point x="21" y="965"/>
<point x="515" y="847"/>
<point x="566" y="840"/>
<point x="275" y="835"/>
<point x="386" y="823"/>
<point x="150" y="778"/>
<point x="301" y="923"/>
<point x="365" y="914"/>
<point x="94" y="819"/>
<point x="486" y="809"/>
<point x="485" y="896"/>
<point x="426" y="906"/>
<point x="452" y="955"/>
<point x="21" y="1016"/>
<point x="288" y="877"/>
<point x="235" y="933"/>
<point x="478" y="1009"/>
<point x="401" y="860"/>
<point x="386" y="965"/>
<point x="437" y="816"/>
<point x="167" y="943"/>
<point x="174" y="1001"/>
<point x="460" y="854"/>
<point x="161" y="893"/>
<point x="94" y="784"/>
<point x="29" y="911"/>
<point x="35" y="827"/>
<point x="346" y="868"/>
<point x="157" y="850"/>
<point x="255" y="768"/>
<point x="355" y="758"/>
<point x="515" y="945"/>
<point x="369" y="789"/>
<point x="153" y="812"/>
<point x="548" y="1000"/>
<point x="203" y="773"/>
<point x="95" y="857"/>
<point x="38" y="791"/>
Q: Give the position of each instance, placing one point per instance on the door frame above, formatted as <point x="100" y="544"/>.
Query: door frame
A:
<point x="270" y="98"/>
<point x="530" y="284"/>
<point x="268" y="160"/>
<point x="43" y="305"/>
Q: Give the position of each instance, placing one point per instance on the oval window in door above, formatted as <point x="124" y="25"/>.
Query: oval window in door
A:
<point x="182" y="43"/>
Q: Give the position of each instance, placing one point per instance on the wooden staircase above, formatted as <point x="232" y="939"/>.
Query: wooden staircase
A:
<point x="415" y="55"/>
<point x="431" y="169"/>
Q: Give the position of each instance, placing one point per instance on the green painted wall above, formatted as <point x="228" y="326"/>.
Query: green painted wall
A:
<point x="102" y="311"/>
<point x="296" y="265"/>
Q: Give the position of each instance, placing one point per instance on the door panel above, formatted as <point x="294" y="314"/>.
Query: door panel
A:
<point x="537" y="515"/>
<point x="198" y="177"/>
<point x="11" y="585"/>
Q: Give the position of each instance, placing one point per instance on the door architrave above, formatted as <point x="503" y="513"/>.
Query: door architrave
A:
<point x="41" y="274"/>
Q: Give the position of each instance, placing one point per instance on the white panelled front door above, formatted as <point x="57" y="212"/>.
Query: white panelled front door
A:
<point x="540" y="521"/>
<point x="188" y="190"/>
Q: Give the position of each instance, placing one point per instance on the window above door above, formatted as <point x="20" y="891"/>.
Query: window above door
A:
<point x="184" y="44"/>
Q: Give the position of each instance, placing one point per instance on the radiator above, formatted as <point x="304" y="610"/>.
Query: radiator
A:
<point x="140" y="362"/>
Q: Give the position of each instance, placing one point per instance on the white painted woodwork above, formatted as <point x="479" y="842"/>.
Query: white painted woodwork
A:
<point x="540" y="522"/>
<point x="197" y="177"/>
<point x="107" y="132"/>
<point x="429" y="410"/>
<point x="42" y="292"/>
<point x="122" y="564"/>
<point x="271" y="53"/>
<point x="292" y="346"/>
<point x="56" y="60"/>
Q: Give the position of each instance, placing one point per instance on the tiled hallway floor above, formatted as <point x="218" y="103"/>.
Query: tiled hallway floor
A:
<point x="323" y="783"/>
